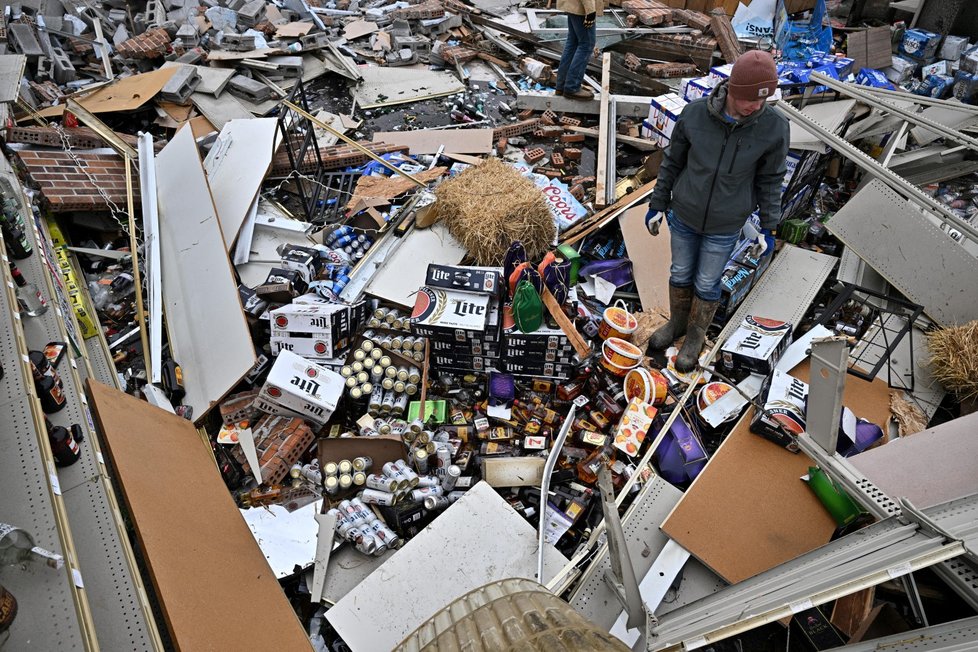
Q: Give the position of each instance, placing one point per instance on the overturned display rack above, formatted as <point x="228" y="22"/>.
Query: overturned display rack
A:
<point x="106" y="565"/>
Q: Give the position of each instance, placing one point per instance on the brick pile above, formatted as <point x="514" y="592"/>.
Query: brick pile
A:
<point x="334" y="158"/>
<point x="726" y="38"/>
<point x="78" y="137"/>
<point x="151" y="44"/>
<point x="517" y="128"/>
<point x="280" y="442"/>
<point x="695" y="19"/>
<point x="648" y="12"/>
<point x="670" y="70"/>
<point x="65" y="184"/>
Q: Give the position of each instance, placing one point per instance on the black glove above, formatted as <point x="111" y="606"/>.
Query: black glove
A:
<point x="589" y="19"/>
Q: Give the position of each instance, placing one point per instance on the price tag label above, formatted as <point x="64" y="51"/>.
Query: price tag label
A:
<point x="695" y="643"/>
<point x="899" y="570"/>
<point x="800" y="605"/>
<point x="98" y="456"/>
<point x="76" y="576"/>
<point x="581" y="401"/>
<point x="55" y="484"/>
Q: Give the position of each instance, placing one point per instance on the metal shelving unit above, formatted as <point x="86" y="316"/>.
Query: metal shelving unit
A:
<point x="53" y="611"/>
<point x="120" y="607"/>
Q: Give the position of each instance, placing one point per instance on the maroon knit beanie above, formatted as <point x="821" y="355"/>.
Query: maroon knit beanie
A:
<point x="754" y="76"/>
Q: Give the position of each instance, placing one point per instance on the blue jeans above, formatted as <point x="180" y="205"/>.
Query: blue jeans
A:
<point x="698" y="259"/>
<point x="577" y="52"/>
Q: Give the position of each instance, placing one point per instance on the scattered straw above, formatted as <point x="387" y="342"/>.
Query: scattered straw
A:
<point x="489" y="206"/>
<point x="954" y="359"/>
<point x="909" y="418"/>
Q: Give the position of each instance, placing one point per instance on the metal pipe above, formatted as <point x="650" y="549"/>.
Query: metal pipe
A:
<point x="869" y="164"/>
<point x="548" y="470"/>
<point x="909" y="116"/>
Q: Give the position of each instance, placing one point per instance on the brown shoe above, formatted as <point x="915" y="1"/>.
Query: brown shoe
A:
<point x="580" y="94"/>
<point x="558" y="92"/>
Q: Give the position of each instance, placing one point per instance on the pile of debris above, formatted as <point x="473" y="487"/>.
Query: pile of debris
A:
<point x="398" y="281"/>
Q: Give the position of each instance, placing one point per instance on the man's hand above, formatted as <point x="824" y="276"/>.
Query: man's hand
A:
<point x="652" y="221"/>
<point x="765" y="238"/>
<point x="589" y="19"/>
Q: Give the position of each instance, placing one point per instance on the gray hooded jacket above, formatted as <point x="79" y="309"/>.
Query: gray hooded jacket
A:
<point x="717" y="172"/>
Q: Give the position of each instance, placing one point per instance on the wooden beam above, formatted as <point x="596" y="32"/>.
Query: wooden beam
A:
<point x="643" y="144"/>
<point x="601" y="218"/>
<point x="600" y="187"/>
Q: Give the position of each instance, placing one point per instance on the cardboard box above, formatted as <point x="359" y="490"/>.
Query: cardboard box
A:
<point x="735" y="283"/>
<point x="692" y="88"/>
<point x="785" y="398"/>
<point x="467" y="347"/>
<point x="919" y="44"/>
<point x="304" y="260"/>
<point x="281" y="286"/>
<point x="480" y="280"/>
<point x="537" y="369"/>
<point x="664" y="111"/>
<point x="756" y="345"/>
<point x="632" y="427"/>
<point x="951" y="50"/>
<point x="467" y="362"/>
<point x="303" y="387"/>
<point x="553" y="355"/>
<point x="320" y="331"/>
<point x="439" y="312"/>
<point x="648" y="131"/>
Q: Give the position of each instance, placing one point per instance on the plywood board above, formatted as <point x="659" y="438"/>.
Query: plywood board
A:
<point x="427" y="141"/>
<point x="399" y="278"/>
<point x="359" y="28"/>
<point x="385" y="607"/>
<point x="201" y="126"/>
<point x="748" y="511"/>
<point x="209" y="336"/>
<point x="212" y="80"/>
<point x="220" y="111"/>
<point x="126" y="94"/>
<point x="930" y="467"/>
<point x="11" y="72"/>
<point x="651" y="257"/>
<point x="236" y="166"/>
<point x="382" y="86"/>
<point x="201" y="556"/>
<point x="293" y="30"/>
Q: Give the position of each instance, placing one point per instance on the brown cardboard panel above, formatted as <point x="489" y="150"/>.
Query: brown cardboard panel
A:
<point x="381" y="450"/>
<point x="215" y="588"/>
<point x="748" y="511"/>
<point x="650" y="256"/>
<point x="427" y="141"/>
<point x="126" y="94"/>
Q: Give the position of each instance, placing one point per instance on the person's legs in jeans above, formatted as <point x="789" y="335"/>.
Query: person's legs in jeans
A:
<point x="714" y="253"/>
<point x="685" y="244"/>
<point x="570" y="48"/>
<point x="584" y="39"/>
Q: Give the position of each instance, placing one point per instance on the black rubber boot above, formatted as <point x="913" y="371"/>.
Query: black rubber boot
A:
<point x="679" y="303"/>
<point x="700" y="317"/>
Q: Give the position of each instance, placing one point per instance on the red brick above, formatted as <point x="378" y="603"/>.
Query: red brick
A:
<point x="65" y="184"/>
<point x="572" y="138"/>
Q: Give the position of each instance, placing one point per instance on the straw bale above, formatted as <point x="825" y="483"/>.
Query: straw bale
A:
<point x="489" y="206"/>
<point x="954" y="359"/>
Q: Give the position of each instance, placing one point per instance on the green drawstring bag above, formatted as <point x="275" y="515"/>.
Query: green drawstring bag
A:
<point x="527" y="307"/>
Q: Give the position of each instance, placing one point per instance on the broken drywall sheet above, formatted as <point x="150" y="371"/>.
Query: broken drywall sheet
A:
<point x="208" y="332"/>
<point x="236" y="166"/>
<point x="389" y="86"/>
<point x="455" y="538"/>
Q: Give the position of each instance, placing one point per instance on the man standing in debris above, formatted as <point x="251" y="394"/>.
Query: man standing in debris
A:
<point x="726" y="159"/>
<point x="581" y="37"/>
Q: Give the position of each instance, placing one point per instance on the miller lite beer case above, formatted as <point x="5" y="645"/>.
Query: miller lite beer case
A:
<point x="302" y="387"/>
<point x="439" y="312"/>
<point x="481" y="280"/>
<point x="786" y="400"/>
<point x="756" y="345"/>
<point x="314" y="331"/>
